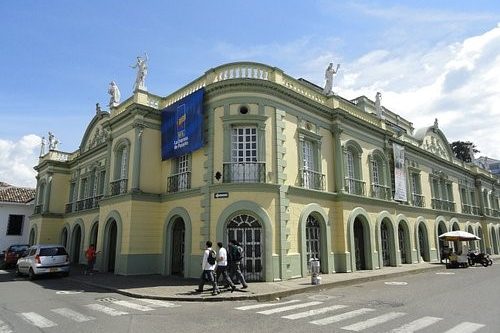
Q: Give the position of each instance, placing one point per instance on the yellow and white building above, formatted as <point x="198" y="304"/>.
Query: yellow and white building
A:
<point x="289" y="171"/>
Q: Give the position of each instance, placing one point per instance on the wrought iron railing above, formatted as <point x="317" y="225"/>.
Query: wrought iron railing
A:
<point x="354" y="186"/>
<point x="69" y="207"/>
<point x="312" y="179"/>
<point x="487" y="211"/>
<point x="179" y="182"/>
<point x="118" y="187"/>
<point x="475" y="210"/>
<point x="495" y="213"/>
<point x="443" y="205"/>
<point x="418" y="200"/>
<point x="381" y="192"/>
<point x="466" y="209"/>
<point x="244" y="172"/>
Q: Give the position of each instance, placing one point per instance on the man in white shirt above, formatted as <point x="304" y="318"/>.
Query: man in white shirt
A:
<point x="222" y="267"/>
<point x="208" y="271"/>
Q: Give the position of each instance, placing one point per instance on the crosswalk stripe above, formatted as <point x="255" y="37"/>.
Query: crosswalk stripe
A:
<point x="107" y="310"/>
<point x="314" y="312"/>
<point x="159" y="303"/>
<point x="37" y="320"/>
<point x="264" y="305"/>
<point x="342" y="316"/>
<point x="416" y="325"/>
<point x="134" y="306"/>
<point x="373" y="321"/>
<point x="4" y="328"/>
<point x="465" y="327"/>
<point x="288" y="308"/>
<point x="73" y="315"/>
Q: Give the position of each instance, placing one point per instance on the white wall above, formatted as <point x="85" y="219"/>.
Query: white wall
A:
<point x="7" y="209"/>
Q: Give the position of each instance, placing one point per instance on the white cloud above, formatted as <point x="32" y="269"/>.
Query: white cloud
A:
<point x="17" y="160"/>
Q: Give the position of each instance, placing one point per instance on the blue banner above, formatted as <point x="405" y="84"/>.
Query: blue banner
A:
<point x="182" y="126"/>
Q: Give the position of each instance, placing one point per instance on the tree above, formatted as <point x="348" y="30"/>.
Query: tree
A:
<point x="462" y="150"/>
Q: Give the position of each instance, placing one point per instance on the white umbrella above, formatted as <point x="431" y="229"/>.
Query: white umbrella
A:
<point x="458" y="235"/>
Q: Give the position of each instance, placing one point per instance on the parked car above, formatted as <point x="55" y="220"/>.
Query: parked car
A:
<point x="13" y="253"/>
<point x="44" y="259"/>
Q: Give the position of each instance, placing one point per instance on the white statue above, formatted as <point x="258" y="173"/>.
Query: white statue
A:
<point x="113" y="90"/>
<point x="142" y="71"/>
<point x="329" y="73"/>
<point x="53" y="142"/>
<point x="42" y="148"/>
<point x="378" y="105"/>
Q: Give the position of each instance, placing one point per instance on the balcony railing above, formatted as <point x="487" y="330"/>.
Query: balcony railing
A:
<point x="355" y="186"/>
<point x="495" y="213"/>
<point x="69" y="207"/>
<point x="118" y="187"/>
<point x="380" y="192"/>
<point x="179" y="182"/>
<point x="443" y="205"/>
<point x="487" y="211"/>
<point x="466" y="209"/>
<point x="244" y="172"/>
<point x="84" y="204"/>
<point x="313" y="180"/>
<point x="475" y="210"/>
<point x="418" y="200"/>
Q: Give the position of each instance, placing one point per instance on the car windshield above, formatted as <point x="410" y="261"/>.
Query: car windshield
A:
<point x="52" y="251"/>
<point x="18" y="248"/>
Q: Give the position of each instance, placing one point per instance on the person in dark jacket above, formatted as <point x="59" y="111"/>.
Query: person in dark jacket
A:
<point x="234" y="260"/>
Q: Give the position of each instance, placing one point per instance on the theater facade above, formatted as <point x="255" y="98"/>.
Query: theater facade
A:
<point x="250" y="153"/>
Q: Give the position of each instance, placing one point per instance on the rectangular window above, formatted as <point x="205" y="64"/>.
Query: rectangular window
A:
<point x="102" y="177"/>
<point x="15" y="226"/>
<point x="375" y="173"/>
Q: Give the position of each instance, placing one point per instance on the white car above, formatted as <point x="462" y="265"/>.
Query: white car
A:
<point x="44" y="259"/>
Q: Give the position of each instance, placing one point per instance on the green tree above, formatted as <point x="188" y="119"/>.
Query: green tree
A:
<point x="462" y="150"/>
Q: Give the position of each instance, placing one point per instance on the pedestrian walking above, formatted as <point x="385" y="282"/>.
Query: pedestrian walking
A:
<point x="208" y="266"/>
<point x="222" y="267"/>
<point x="90" y="254"/>
<point x="234" y="259"/>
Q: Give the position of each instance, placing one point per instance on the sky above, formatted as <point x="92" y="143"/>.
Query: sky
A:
<point x="429" y="59"/>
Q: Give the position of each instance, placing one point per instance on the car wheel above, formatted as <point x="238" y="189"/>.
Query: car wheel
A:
<point x="18" y="272"/>
<point x="31" y="274"/>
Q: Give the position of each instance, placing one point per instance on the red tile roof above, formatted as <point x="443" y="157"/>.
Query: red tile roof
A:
<point x="9" y="193"/>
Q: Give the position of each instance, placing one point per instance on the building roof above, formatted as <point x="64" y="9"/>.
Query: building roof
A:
<point x="9" y="193"/>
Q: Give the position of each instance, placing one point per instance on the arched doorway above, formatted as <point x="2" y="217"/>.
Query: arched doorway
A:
<point x="423" y="242"/>
<point x="387" y="243"/>
<point x="443" y="245"/>
<point x="76" y="240"/>
<point x="247" y="230"/>
<point x="93" y="234"/>
<point x="404" y="242"/>
<point x="482" y="247"/>
<point x="494" y="240"/>
<point x="32" y="237"/>
<point x="178" y="246"/>
<point x="313" y="239"/>
<point x="111" y="243"/>
<point x="64" y="237"/>
<point x="360" y="246"/>
<point x="472" y="244"/>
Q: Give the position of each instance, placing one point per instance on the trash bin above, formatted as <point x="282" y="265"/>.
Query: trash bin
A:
<point x="315" y="270"/>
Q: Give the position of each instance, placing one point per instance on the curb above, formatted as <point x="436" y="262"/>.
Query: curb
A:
<point x="267" y="296"/>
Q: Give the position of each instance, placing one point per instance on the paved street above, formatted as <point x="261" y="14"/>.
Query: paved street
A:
<point x="434" y="301"/>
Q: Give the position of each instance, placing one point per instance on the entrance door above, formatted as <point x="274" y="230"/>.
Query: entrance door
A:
<point x="248" y="232"/>
<point x="402" y="243"/>
<point x="112" y="247"/>
<point x="422" y="242"/>
<point x="359" y="245"/>
<point x="384" y="235"/>
<point x="178" y="233"/>
<point x="77" y="238"/>
<point x="443" y="246"/>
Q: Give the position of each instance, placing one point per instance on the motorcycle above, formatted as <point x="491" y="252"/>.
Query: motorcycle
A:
<point x="479" y="258"/>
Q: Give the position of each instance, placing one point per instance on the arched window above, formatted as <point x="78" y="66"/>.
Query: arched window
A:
<point x="353" y="177"/>
<point x="120" y="183"/>
<point x="379" y="180"/>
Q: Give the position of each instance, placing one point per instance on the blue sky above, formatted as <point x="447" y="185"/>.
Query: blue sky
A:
<point x="430" y="59"/>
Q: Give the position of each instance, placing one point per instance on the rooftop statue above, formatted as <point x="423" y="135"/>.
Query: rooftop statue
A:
<point x="329" y="73"/>
<point x="113" y="90"/>
<point x="142" y="70"/>
<point x="53" y="142"/>
<point x="378" y="105"/>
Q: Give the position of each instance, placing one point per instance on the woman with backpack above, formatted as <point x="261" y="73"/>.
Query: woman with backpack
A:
<point x="234" y="260"/>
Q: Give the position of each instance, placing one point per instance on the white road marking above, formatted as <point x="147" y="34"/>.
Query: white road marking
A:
<point x="314" y="312"/>
<point x="158" y="303"/>
<point x="396" y="283"/>
<point x="342" y="316"/>
<point x="106" y="310"/>
<point x="37" y="320"/>
<point x="4" y="328"/>
<point x="290" y="307"/>
<point x="465" y="327"/>
<point x="373" y="321"/>
<point x="264" y="305"/>
<point x="134" y="306"/>
<point x="73" y="315"/>
<point x="416" y="325"/>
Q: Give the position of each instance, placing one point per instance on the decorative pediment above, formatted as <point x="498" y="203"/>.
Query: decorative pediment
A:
<point x="434" y="144"/>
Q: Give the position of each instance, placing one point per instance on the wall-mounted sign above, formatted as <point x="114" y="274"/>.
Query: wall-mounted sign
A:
<point x="221" y="195"/>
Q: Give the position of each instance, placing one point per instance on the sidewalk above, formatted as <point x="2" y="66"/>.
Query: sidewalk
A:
<point x="181" y="289"/>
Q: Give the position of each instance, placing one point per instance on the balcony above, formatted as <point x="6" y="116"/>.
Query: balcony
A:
<point x="89" y="203"/>
<point x="487" y="211"/>
<point x="312" y="180"/>
<point x="380" y="192"/>
<point x="443" y="205"/>
<point x="244" y="172"/>
<point x="475" y="210"/>
<point x="118" y="187"/>
<point x="466" y="209"/>
<point x="418" y="200"/>
<point x="495" y="213"/>
<point x="179" y="182"/>
<point x="354" y="186"/>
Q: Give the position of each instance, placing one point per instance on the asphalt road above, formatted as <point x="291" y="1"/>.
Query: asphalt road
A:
<point x="458" y="300"/>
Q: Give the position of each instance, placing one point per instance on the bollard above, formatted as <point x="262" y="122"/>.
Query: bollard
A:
<point x="315" y="270"/>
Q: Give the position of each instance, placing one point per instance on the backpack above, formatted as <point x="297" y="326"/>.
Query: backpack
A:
<point x="237" y="253"/>
<point x="211" y="257"/>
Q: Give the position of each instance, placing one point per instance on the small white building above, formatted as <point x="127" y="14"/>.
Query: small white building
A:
<point x="16" y="205"/>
